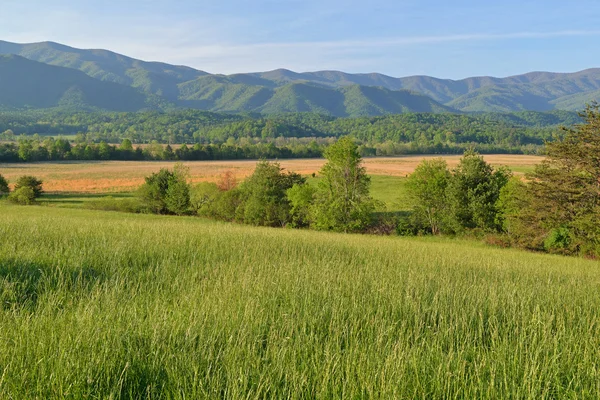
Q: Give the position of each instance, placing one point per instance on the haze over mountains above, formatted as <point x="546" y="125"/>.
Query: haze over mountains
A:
<point x="44" y="75"/>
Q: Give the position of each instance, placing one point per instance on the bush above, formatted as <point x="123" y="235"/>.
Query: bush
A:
<point x="300" y="197"/>
<point x="559" y="241"/>
<point x="24" y="196"/>
<point x="4" y="189"/>
<point x="203" y="197"/>
<point x="264" y="195"/>
<point x="166" y="192"/>
<point x="31" y="182"/>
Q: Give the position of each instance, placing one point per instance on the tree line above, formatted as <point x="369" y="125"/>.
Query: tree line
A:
<point x="523" y="132"/>
<point x="37" y="148"/>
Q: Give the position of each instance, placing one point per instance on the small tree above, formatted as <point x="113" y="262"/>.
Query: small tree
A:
<point x="31" y="182"/>
<point x="427" y="189"/>
<point x="166" y="191"/>
<point x="264" y="195"/>
<point x="4" y="189"/>
<point x="342" y="200"/>
<point x="203" y="196"/>
<point x="473" y="192"/>
<point x="227" y="181"/>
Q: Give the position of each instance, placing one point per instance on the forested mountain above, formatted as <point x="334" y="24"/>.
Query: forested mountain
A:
<point x="30" y="84"/>
<point x="152" y="77"/>
<point x="330" y="92"/>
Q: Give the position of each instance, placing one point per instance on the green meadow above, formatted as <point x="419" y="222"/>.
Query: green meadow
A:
<point x="113" y="305"/>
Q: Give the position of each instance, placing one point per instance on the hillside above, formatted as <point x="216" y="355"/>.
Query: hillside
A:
<point x="153" y="77"/>
<point x="331" y="92"/>
<point x="29" y="84"/>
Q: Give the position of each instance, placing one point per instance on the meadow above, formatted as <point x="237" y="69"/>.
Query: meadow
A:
<point x="125" y="176"/>
<point x="111" y="305"/>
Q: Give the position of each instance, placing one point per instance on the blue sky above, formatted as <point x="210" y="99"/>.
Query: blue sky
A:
<point x="447" y="39"/>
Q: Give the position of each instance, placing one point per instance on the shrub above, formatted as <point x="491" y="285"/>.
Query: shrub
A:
<point x="203" y="197"/>
<point x="264" y="195"/>
<point x="31" y="182"/>
<point x="4" y="189"/>
<point x="166" y="192"/>
<point x="300" y="197"/>
<point x="559" y="241"/>
<point x="24" y="196"/>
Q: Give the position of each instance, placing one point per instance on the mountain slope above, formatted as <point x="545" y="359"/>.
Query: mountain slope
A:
<point x="219" y="93"/>
<point x="152" y="77"/>
<point x="333" y="92"/>
<point x="26" y="83"/>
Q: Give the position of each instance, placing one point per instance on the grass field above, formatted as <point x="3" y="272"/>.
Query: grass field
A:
<point x="123" y="176"/>
<point x="111" y="305"/>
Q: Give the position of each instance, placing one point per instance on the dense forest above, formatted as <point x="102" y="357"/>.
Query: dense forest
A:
<point x="201" y="135"/>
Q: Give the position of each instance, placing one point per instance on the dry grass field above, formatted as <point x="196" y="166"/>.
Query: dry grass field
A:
<point x="123" y="176"/>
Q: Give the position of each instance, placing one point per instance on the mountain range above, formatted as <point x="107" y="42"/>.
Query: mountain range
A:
<point x="47" y="74"/>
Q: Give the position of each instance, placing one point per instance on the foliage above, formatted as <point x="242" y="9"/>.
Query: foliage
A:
<point x="31" y="182"/>
<point x="24" y="196"/>
<point x="300" y="197"/>
<point x="227" y="181"/>
<point x="211" y="136"/>
<point x="264" y="195"/>
<point x="4" y="189"/>
<point x="166" y="192"/>
<point x="565" y="190"/>
<point x="427" y="187"/>
<point x="342" y="201"/>
<point x="203" y="196"/>
<point x="473" y="192"/>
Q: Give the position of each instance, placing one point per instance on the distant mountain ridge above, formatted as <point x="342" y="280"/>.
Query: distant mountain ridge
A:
<point x="329" y="92"/>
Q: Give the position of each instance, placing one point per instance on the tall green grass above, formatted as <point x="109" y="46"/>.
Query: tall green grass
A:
<point x="112" y="305"/>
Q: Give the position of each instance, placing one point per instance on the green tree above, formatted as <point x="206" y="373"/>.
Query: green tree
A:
<point x="342" y="201"/>
<point x="300" y="197"/>
<point x="31" y="182"/>
<point x="264" y="194"/>
<point x="565" y="189"/>
<point x="166" y="192"/>
<point x="427" y="189"/>
<point x="473" y="192"/>
<point x="202" y="198"/>
<point x="4" y="189"/>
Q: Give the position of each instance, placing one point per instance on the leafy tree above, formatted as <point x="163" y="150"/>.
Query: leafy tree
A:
<point x="565" y="189"/>
<point x="31" y="182"/>
<point x="4" y="189"/>
<point x="473" y="192"/>
<point x="342" y="200"/>
<point x="203" y="196"/>
<point x="264" y="194"/>
<point x="427" y="189"/>
<point x="300" y="197"/>
<point x="166" y="191"/>
<point x="126" y="145"/>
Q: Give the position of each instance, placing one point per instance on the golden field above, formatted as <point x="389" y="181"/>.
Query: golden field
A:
<point x="123" y="176"/>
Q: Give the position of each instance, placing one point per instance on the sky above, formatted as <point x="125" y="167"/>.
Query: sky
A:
<point x="447" y="39"/>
